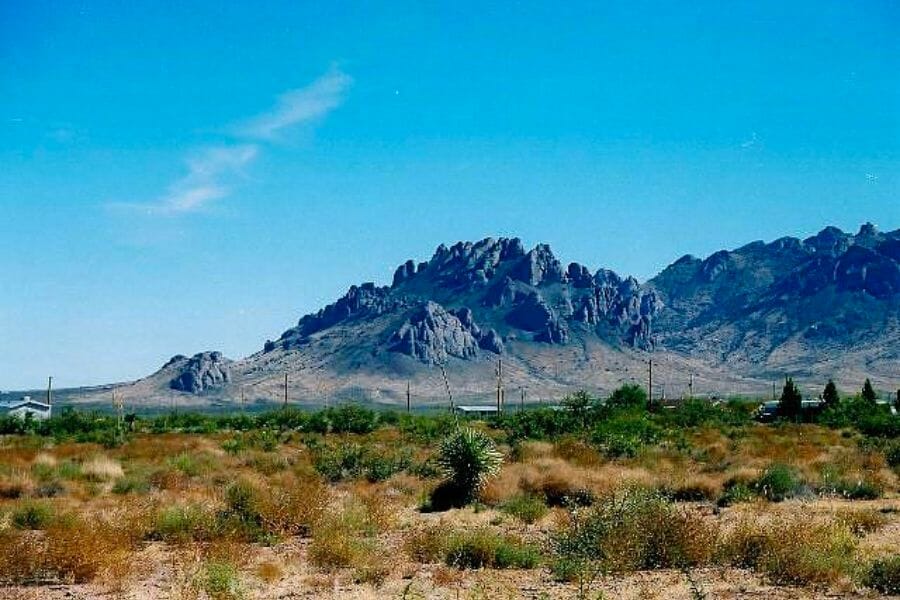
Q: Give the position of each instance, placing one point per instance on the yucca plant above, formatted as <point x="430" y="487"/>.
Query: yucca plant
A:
<point x="468" y="459"/>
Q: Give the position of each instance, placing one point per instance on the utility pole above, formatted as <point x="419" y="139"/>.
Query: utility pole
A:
<point x="50" y="391"/>
<point x="499" y="386"/>
<point x="243" y="400"/>
<point x="691" y="386"/>
<point x="285" y="389"/>
<point x="650" y="383"/>
<point x="408" y="403"/>
<point x="447" y="385"/>
<point x="522" y="399"/>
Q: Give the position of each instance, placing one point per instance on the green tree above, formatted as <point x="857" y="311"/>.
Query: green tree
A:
<point x="830" y="394"/>
<point x="897" y="401"/>
<point x="628" y="396"/>
<point x="868" y="392"/>
<point x="790" y="405"/>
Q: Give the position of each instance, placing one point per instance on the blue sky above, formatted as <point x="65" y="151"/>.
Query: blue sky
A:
<point x="175" y="179"/>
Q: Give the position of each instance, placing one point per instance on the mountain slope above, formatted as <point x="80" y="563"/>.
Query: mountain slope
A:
<point x="825" y="306"/>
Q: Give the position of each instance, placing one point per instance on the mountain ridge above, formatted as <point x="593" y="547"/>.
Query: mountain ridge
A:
<point x="827" y="305"/>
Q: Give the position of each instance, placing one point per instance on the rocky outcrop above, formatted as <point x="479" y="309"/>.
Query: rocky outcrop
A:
<point x="363" y="301"/>
<point x="539" y="267"/>
<point x="199" y="373"/>
<point x="433" y="333"/>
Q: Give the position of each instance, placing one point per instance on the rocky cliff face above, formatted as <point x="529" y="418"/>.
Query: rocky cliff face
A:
<point x="199" y="373"/>
<point x="470" y="297"/>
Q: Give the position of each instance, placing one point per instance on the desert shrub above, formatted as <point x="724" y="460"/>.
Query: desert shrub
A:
<point x="220" y="581"/>
<point x="70" y="550"/>
<point x="778" y="482"/>
<point x="861" y="489"/>
<point x="698" y="413"/>
<point x="32" y="515"/>
<point x="558" y="489"/>
<point x="694" y="490"/>
<point x="131" y="484"/>
<point x="426" y="428"/>
<point x="793" y="551"/>
<point x="468" y="458"/>
<point x="268" y="464"/>
<point x="884" y="575"/>
<point x="735" y="492"/>
<point x="188" y="464"/>
<point x="538" y="424"/>
<point x="528" y="508"/>
<point x="335" y="547"/>
<point x="632" y="530"/>
<point x="861" y="522"/>
<point x="427" y="545"/>
<point x="49" y="489"/>
<point x="16" y="485"/>
<point x="481" y="548"/>
<point x="354" y="461"/>
<point x="293" y="506"/>
<point x="892" y="454"/>
<point x="181" y="524"/>
<point x="348" y="418"/>
<point x="625" y="434"/>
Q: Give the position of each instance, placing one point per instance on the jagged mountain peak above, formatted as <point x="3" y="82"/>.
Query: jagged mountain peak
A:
<point x="830" y="301"/>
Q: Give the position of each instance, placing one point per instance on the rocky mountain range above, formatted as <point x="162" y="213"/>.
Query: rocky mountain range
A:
<point x="730" y="323"/>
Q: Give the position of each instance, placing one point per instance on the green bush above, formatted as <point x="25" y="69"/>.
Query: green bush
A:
<point x="32" y="515"/>
<point x="884" y="575"/>
<point x="482" y="548"/>
<point x="354" y="461"/>
<point x="179" y="524"/>
<point x="220" y="581"/>
<point x="528" y="508"/>
<point x="624" y="434"/>
<point x="735" y="492"/>
<point x="131" y="484"/>
<point x="778" y="482"/>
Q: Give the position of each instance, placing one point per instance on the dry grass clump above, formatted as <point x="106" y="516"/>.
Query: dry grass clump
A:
<point x="68" y="550"/>
<point x="862" y="521"/>
<point x="101" y="468"/>
<point x="336" y="544"/>
<point x="269" y="571"/>
<point x="292" y="505"/>
<point x="347" y="537"/>
<point x="17" y="484"/>
<point x="428" y="544"/>
<point x="629" y="531"/>
<point x="476" y="548"/>
<point x="793" y="550"/>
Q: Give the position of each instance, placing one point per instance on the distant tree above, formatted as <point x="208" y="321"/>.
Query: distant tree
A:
<point x="830" y="394"/>
<point x="790" y="405"/>
<point x="897" y="401"/>
<point x="868" y="392"/>
<point x="580" y="403"/>
<point x="628" y="396"/>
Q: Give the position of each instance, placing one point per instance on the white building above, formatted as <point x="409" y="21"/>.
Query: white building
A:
<point x="20" y="408"/>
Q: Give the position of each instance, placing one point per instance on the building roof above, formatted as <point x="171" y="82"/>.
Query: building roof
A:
<point x="32" y="404"/>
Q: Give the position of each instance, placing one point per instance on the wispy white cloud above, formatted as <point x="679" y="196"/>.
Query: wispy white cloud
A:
<point x="211" y="171"/>
<point x="298" y="106"/>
